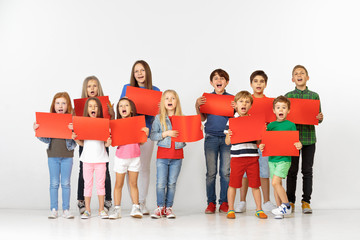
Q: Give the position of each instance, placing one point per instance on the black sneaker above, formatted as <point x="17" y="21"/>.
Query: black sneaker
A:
<point x="107" y="205"/>
<point x="81" y="206"/>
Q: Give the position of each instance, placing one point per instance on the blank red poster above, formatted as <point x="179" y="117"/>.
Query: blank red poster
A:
<point x="218" y="105"/>
<point x="263" y="107"/>
<point x="87" y="128"/>
<point x="146" y="101"/>
<point x="128" y="130"/>
<point x="189" y="128"/>
<point x="80" y="104"/>
<point x="280" y="143"/>
<point x="245" y="129"/>
<point x="304" y="111"/>
<point x="53" y="125"/>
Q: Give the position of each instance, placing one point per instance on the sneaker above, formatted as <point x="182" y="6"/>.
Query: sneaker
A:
<point x="103" y="214"/>
<point x="224" y="207"/>
<point x="260" y="214"/>
<point x="67" y="214"/>
<point x="86" y="215"/>
<point x="158" y="212"/>
<point x="169" y="213"/>
<point x="231" y="214"/>
<point x="211" y="208"/>
<point x="107" y="205"/>
<point x="135" y="211"/>
<point x="53" y="214"/>
<point x="144" y="209"/>
<point x="240" y="207"/>
<point x="292" y="207"/>
<point x="282" y="210"/>
<point x="116" y="213"/>
<point x="306" y="209"/>
<point x="268" y="206"/>
<point x="279" y="216"/>
<point x="81" y="206"/>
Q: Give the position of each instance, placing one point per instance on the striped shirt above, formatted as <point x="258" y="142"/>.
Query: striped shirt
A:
<point x="246" y="149"/>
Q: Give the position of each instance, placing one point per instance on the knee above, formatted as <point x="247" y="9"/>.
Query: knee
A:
<point x="65" y="184"/>
<point x="172" y="185"/>
<point x="54" y="183"/>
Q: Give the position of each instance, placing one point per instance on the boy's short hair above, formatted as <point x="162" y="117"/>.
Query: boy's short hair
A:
<point x="258" y="73"/>
<point x="221" y="73"/>
<point x="282" y="99"/>
<point x="299" y="66"/>
<point x="244" y="94"/>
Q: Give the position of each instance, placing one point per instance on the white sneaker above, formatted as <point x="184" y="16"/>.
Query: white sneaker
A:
<point x="281" y="210"/>
<point x="144" y="209"/>
<point x="279" y="216"/>
<point x="135" y="211"/>
<point x="53" y="214"/>
<point x="240" y="207"/>
<point x="67" y="214"/>
<point x="116" y="213"/>
<point x="103" y="214"/>
<point x="169" y="213"/>
<point x="268" y="206"/>
<point x="86" y="215"/>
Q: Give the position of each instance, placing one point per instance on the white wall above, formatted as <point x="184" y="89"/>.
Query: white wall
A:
<point x="51" y="46"/>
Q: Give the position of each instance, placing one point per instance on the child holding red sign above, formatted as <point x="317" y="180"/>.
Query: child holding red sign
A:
<point x="94" y="158"/>
<point x="60" y="159"/>
<point x="279" y="165"/>
<point x="169" y="155"/>
<point x="92" y="88"/>
<point x="127" y="160"/>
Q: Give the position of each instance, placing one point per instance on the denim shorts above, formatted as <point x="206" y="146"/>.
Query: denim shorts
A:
<point x="264" y="166"/>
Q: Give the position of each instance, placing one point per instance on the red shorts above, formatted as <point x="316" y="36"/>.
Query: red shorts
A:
<point x="240" y="165"/>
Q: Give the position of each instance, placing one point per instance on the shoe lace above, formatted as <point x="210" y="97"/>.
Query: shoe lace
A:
<point x="159" y="211"/>
<point x="168" y="211"/>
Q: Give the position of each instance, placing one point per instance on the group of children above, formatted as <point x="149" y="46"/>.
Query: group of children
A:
<point x="134" y="159"/>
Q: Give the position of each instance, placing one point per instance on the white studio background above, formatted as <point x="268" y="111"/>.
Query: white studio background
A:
<point x="51" y="46"/>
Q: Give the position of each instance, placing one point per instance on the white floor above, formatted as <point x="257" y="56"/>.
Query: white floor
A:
<point x="322" y="224"/>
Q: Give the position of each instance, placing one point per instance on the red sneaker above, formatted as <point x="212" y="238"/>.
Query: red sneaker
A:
<point x="224" y="207"/>
<point x="211" y="208"/>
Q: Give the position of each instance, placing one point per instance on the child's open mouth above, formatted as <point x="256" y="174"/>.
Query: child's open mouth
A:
<point x="219" y="85"/>
<point x="170" y="105"/>
<point x="93" y="113"/>
<point x="281" y="115"/>
<point x="258" y="88"/>
<point x="123" y="111"/>
<point x="92" y="92"/>
<point x="60" y="110"/>
<point x="243" y="109"/>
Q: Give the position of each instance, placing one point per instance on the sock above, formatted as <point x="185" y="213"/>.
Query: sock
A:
<point x="117" y="206"/>
<point x="287" y="205"/>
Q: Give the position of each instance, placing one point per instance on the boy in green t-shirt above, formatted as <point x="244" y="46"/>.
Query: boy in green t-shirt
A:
<point x="280" y="165"/>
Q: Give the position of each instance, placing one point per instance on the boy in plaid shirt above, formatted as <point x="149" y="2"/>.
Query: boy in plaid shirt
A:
<point x="307" y="138"/>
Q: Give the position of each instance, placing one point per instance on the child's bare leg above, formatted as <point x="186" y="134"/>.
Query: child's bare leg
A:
<point x="257" y="197"/>
<point x="244" y="189"/>
<point x="101" y="202"/>
<point x="265" y="188"/>
<point x="231" y="197"/>
<point x="277" y="198"/>
<point x="277" y="184"/>
<point x="134" y="191"/>
<point x="87" y="203"/>
<point x="119" y="183"/>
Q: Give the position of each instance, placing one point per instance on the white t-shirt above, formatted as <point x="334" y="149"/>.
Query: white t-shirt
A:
<point x="94" y="152"/>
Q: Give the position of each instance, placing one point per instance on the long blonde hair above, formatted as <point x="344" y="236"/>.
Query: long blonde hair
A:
<point x="84" y="93"/>
<point x="163" y="111"/>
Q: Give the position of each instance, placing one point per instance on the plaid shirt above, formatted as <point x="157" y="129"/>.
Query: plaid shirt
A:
<point x="306" y="132"/>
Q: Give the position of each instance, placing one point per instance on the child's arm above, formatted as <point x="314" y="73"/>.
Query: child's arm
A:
<point x="228" y="137"/>
<point x="80" y="142"/>
<point x="298" y="145"/>
<point x="108" y="142"/>
<point x="200" y="101"/>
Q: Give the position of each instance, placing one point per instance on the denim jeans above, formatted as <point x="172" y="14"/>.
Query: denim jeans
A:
<point x="167" y="172"/>
<point x="216" y="148"/>
<point x="60" y="172"/>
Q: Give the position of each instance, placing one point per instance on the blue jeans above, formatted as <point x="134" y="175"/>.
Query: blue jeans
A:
<point x="167" y="172"/>
<point x="216" y="148"/>
<point x="60" y="168"/>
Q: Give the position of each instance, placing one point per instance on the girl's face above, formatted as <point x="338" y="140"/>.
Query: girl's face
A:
<point x="140" y="74"/>
<point x="93" y="108"/>
<point x="60" y="105"/>
<point x="92" y="88"/>
<point x="170" y="101"/>
<point x="124" y="108"/>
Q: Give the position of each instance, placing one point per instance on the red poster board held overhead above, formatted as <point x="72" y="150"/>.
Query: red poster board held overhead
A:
<point x="146" y="100"/>
<point x="280" y="143"/>
<point x="53" y="125"/>
<point x="128" y="130"/>
<point x="87" y="128"/>
<point x="80" y="104"/>
<point x="246" y="129"/>
<point x="189" y="128"/>
<point x="304" y="111"/>
<point x="218" y="105"/>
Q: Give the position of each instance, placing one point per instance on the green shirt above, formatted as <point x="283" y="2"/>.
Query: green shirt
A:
<point x="285" y="125"/>
<point x="306" y="132"/>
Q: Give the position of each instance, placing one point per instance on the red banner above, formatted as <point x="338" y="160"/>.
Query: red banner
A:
<point x="146" y="101"/>
<point x="88" y="128"/>
<point x="128" y="130"/>
<point x="189" y="128"/>
<point x="280" y="143"/>
<point x="218" y="105"/>
<point x="53" y="125"/>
